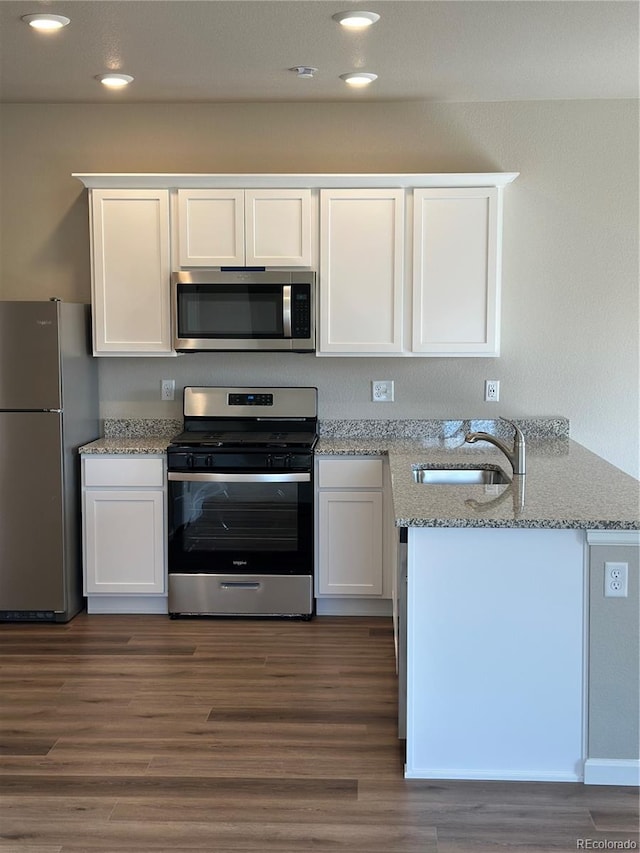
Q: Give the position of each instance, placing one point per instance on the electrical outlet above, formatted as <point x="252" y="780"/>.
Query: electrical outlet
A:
<point x="382" y="390"/>
<point x="167" y="389"/>
<point x="616" y="580"/>
<point x="491" y="390"/>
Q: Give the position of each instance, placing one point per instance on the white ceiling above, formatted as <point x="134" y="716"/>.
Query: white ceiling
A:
<point x="234" y="50"/>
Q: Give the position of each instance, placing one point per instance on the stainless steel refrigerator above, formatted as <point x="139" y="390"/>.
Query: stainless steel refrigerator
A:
<point x="48" y="408"/>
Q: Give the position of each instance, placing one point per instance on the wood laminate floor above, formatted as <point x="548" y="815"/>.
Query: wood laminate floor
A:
<point x="141" y="733"/>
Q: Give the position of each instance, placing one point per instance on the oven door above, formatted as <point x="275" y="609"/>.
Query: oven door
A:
<point x="240" y="523"/>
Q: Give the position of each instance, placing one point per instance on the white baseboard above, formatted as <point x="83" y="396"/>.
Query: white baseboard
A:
<point x="612" y="771"/>
<point x="158" y="604"/>
<point x="127" y="604"/>
<point x="353" y="606"/>
<point x="493" y="775"/>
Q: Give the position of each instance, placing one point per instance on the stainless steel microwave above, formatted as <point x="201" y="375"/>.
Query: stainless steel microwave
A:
<point x="243" y="310"/>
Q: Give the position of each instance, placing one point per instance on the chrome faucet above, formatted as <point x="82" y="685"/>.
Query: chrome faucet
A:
<point x="516" y="456"/>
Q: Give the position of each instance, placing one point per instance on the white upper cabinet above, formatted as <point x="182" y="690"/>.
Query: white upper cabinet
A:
<point x="408" y="265"/>
<point x="229" y="227"/>
<point x="361" y="271"/>
<point x="278" y="228"/>
<point x="130" y="272"/>
<point x="456" y="271"/>
<point x="447" y="304"/>
<point x="211" y="228"/>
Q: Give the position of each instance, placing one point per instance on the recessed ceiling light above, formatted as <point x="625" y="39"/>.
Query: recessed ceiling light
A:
<point x="46" y="22"/>
<point x="115" y="81"/>
<point x="356" y="20"/>
<point x="357" y="79"/>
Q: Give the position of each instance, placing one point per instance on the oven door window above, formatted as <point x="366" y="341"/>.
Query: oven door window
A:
<point x="230" y="311"/>
<point x="241" y="526"/>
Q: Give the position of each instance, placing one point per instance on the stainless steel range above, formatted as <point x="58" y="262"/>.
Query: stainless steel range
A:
<point x="241" y="503"/>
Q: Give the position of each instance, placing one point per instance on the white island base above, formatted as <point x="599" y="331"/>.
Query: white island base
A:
<point x="495" y="654"/>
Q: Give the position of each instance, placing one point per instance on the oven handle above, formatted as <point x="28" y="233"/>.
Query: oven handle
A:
<point x="238" y="478"/>
<point x="286" y="311"/>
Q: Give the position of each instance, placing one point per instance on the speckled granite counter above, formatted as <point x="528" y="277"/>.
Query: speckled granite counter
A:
<point x="127" y="446"/>
<point x="134" y="435"/>
<point x="566" y="486"/>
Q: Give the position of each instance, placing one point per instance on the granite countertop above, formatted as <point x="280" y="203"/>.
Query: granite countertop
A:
<point x="129" y="436"/>
<point x="127" y="446"/>
<point x="566" y="486"/>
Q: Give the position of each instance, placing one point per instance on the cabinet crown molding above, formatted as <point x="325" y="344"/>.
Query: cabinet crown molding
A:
<point x="95" y="180"/>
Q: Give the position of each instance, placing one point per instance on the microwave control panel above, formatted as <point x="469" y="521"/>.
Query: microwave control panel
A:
<point x="301" y="311"/>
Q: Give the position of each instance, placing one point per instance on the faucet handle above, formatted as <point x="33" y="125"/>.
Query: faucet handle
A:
<point x="519" y="450"/>
<point x="519" y="435"/>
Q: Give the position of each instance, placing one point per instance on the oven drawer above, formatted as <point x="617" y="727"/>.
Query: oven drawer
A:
<point x="232" y="595"/>
<point x="350" y="473"/>
<point x="123" y="472"/>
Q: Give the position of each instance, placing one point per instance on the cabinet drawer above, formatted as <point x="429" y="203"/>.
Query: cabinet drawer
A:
<point x="350" y="473"/>
<point x="123" y="472"/>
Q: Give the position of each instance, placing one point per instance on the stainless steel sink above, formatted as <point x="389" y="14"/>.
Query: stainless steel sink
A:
<point x="459" y="476"/>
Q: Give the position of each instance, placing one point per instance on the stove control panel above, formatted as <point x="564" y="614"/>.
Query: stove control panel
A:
<point x="251" y="399"/>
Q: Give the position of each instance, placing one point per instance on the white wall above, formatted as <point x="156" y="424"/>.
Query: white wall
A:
<point x="570" y="266"/>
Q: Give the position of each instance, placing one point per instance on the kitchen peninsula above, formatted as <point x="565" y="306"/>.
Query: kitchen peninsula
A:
<point x="506" y="621"/>
<point x="508" y="631"/>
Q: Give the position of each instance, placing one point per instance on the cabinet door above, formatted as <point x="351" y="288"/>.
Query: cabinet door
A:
<point x="211" y="228"/>
<point x="278" y="228"/>
<point x="131" y="272"/>
<point x="361" y="271"/>
<point x="456" y="268"/>
<point x="124" y="541"/>
<point x="350" y="543"/>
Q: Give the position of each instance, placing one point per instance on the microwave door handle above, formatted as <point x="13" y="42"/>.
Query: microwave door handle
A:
<point x="286" y="310"/>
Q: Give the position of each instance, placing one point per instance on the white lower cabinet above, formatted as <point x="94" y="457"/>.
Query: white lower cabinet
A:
<point x="123" y="500"/>
<point x="352" y="575"/>
<point x="350" y="543"/>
